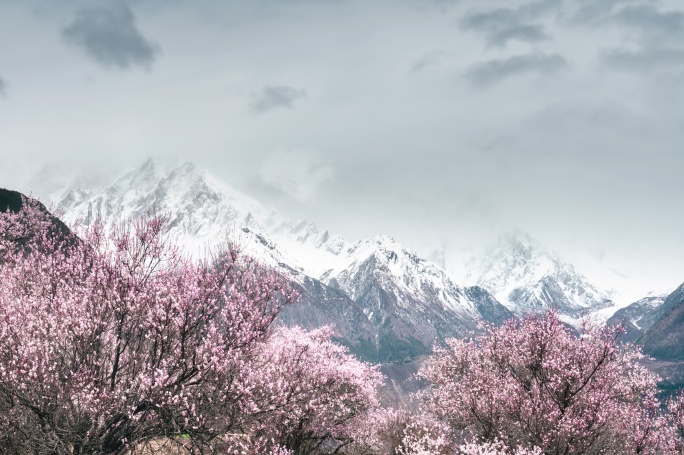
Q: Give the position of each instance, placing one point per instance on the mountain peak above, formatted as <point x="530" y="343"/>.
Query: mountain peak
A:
<point x="202" y="211"/>
<point x="526" y="276"/>
<point x="385" y="240"/>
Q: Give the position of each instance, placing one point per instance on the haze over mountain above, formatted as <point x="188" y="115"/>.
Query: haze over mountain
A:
<point x="527" y="277"/>
<point x="386" y="302"/>
<point x="497" y="259"/>
<point x="390" y="301"/>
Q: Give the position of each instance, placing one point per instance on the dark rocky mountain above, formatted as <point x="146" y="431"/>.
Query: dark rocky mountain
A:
<point x="637" y="317"/>
<point x="664" y="340"/>
<point x="10" y="200"/>
<point x="13" y="201"/>
<point x="402" y="383"/>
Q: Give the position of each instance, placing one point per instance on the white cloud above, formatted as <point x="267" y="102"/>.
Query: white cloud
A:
<point x="297" y="173"/>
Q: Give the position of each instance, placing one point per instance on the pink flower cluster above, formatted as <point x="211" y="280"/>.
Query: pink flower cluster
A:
<point x="533" y="385"/>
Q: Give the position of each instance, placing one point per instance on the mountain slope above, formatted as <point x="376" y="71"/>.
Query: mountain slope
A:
<point x="637" y="318"/>
<point x="13" y="201"/>
<point x="664" y="340"/>
<point x="410" y="301"/>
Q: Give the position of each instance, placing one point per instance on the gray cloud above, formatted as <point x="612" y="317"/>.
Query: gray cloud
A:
<point x="2" y="87"/>
<point x="653" y="24"/>
<point x="500" y="148"/>
<point x="297" y="173"/>
<point x="493" y="71"/>
<point x="651" y="37"/>
<point x="443" y="6"/>
<point x="658" y="40"/>
<point x="647" y="59"/>
<point x="427" y="60"/>
<point x="502" y="25"/>
<point x="595" y="11"/>
<point x="109" y="36"/>
<point x="535" y="9"/>
<point x="275" y="96"/>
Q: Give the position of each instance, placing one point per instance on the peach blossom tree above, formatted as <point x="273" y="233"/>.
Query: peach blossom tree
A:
<point x="115" y="338"/>
<point x="532" y="384"/>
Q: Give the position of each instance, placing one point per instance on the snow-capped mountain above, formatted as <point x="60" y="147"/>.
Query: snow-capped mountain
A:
<point x="383" y="260"/>
<point x="385" y="302"/>
<point x="526" y="277"/>
<point x="412" y="302"/>
<point x="202" y="211"/>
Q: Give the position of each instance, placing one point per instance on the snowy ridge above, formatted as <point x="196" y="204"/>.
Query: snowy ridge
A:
<point x="411" y="303"/>
<point x="392" y="262"/>
<point x="637" y="314"/>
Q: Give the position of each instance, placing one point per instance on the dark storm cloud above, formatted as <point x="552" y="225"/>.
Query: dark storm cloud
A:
<point x="275" y="96"/>
<point x="647" y="59"/>
<point x="109" y="36"/>
<point x="502" y="25"/>
<point x="494" y="71"/>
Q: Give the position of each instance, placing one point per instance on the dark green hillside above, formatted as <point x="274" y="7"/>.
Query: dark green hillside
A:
<point x="10" y="200"/>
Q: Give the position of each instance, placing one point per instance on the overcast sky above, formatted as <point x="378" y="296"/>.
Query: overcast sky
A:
<point x="430" y="120"/>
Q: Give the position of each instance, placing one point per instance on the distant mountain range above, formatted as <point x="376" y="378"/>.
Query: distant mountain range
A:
<point x="385" y="301"/>
<point x="657" y="323"/>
